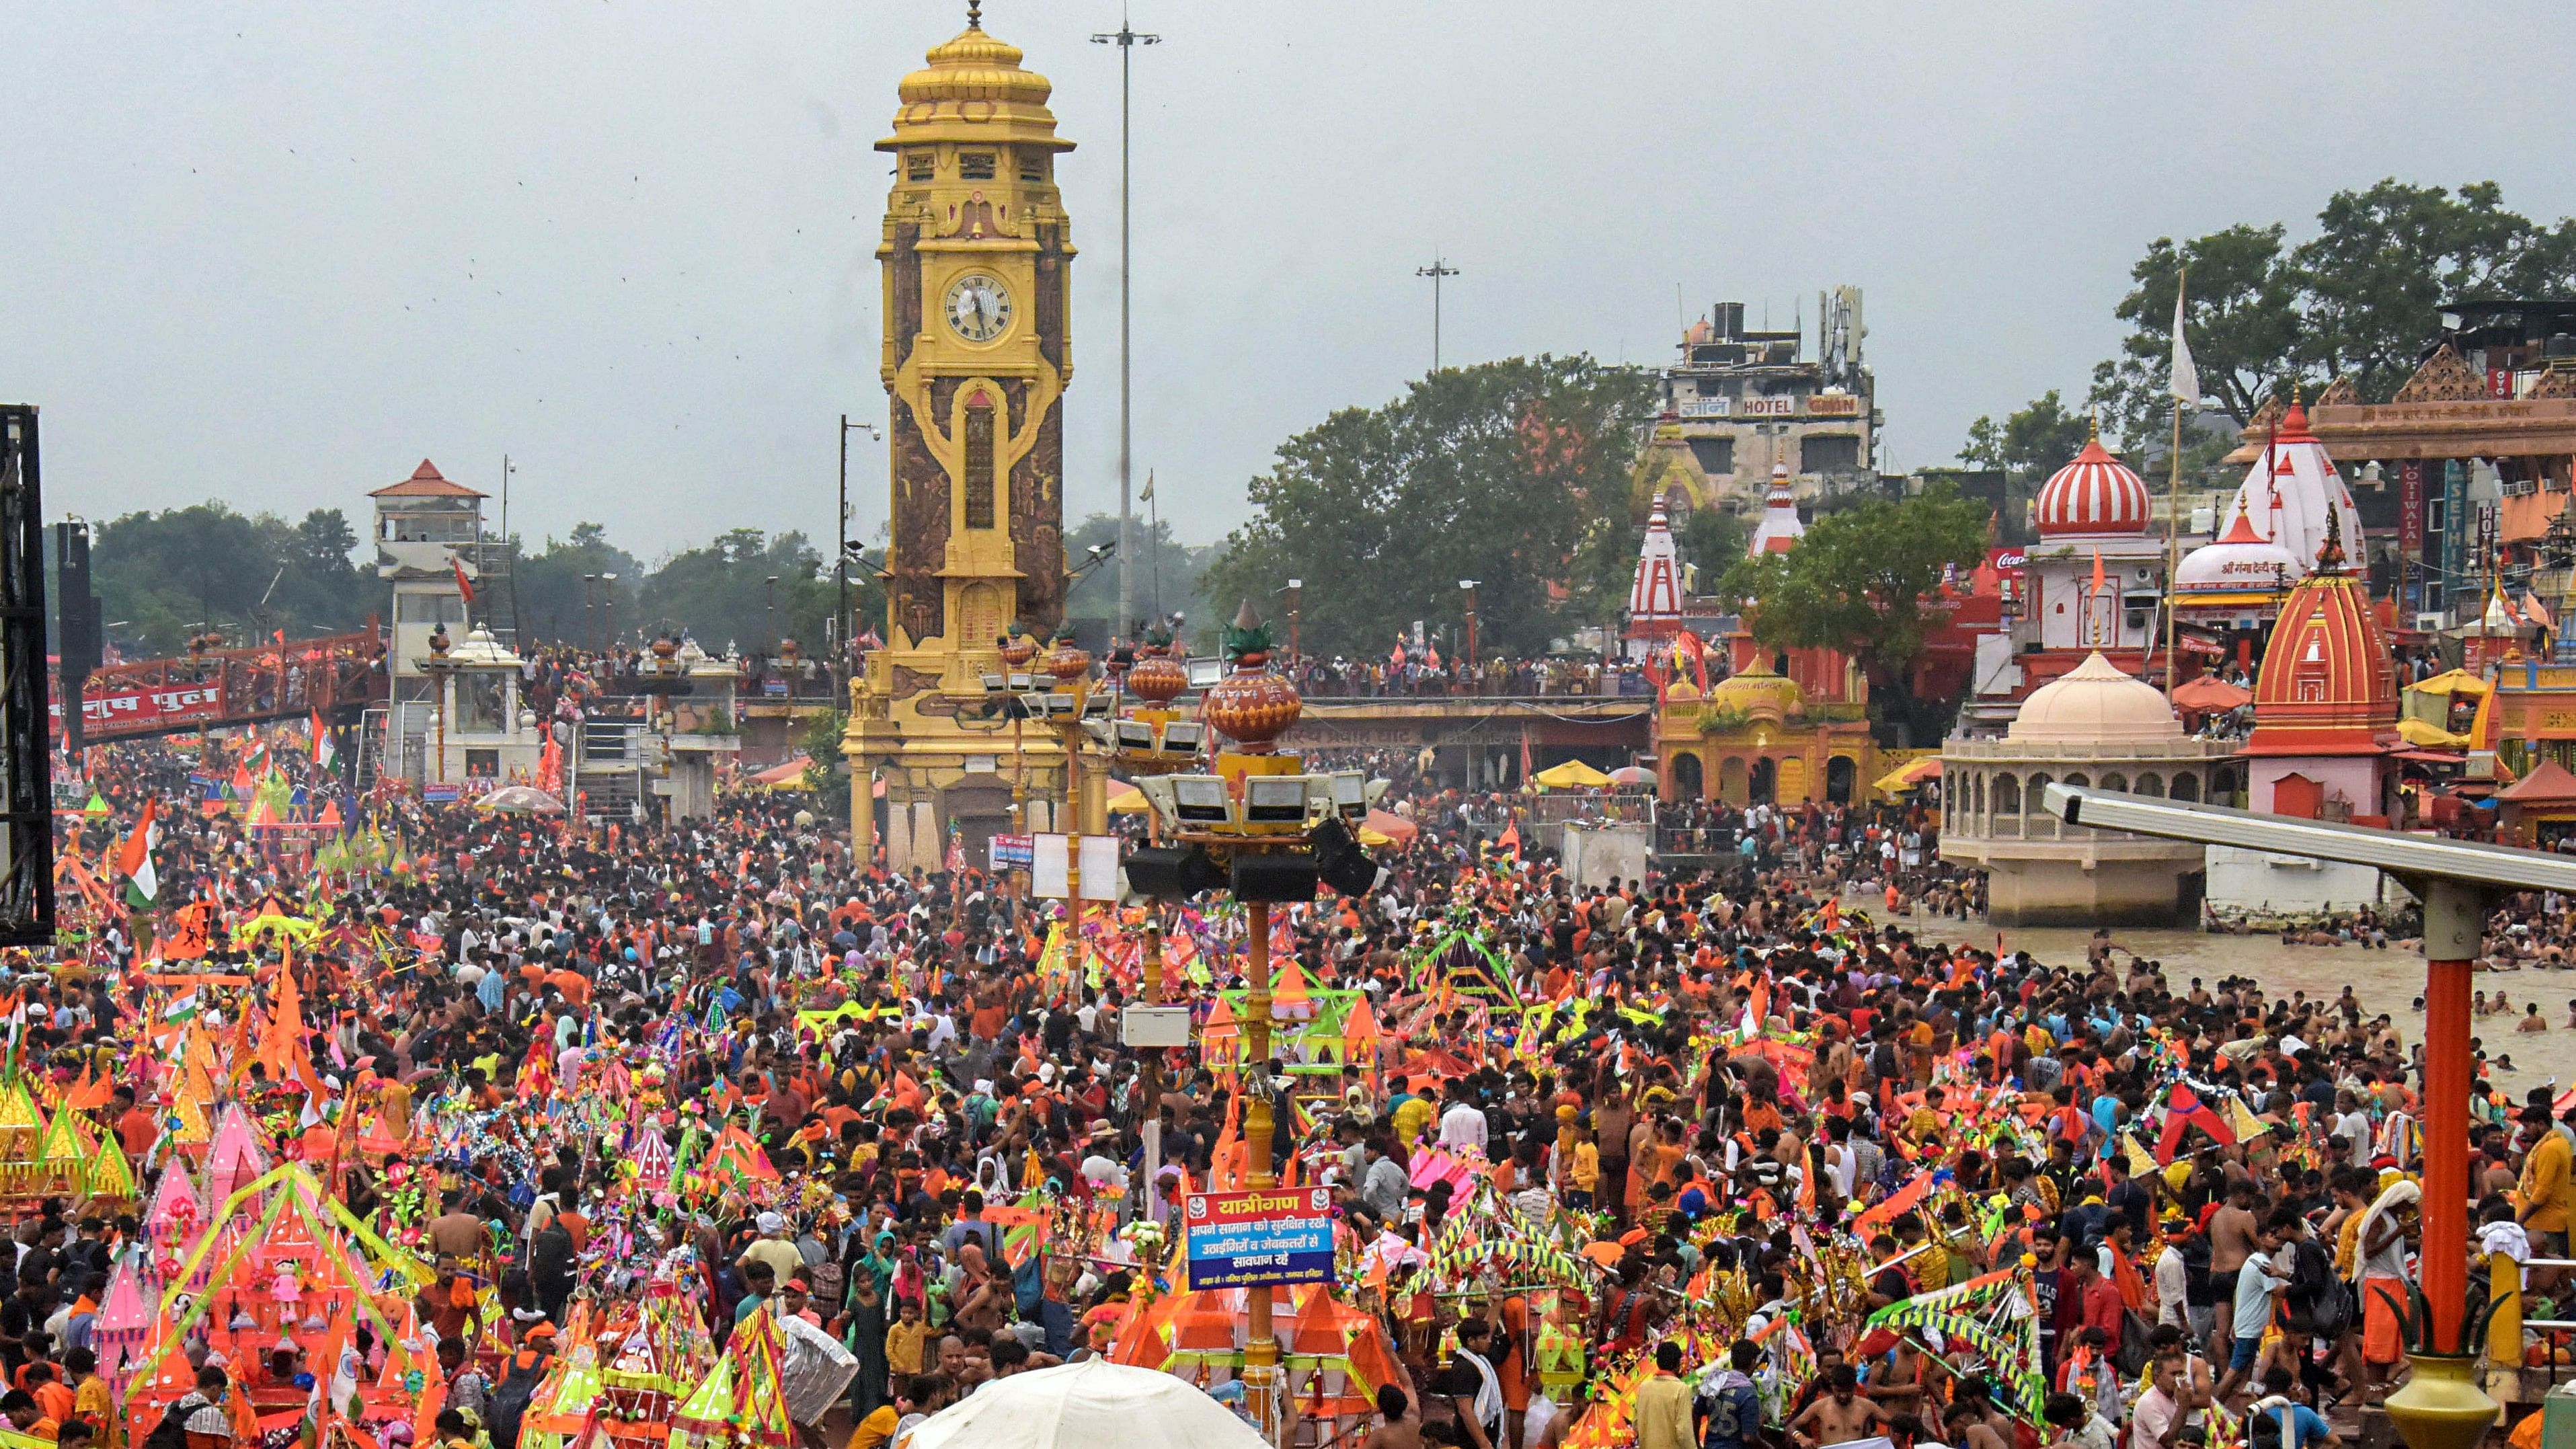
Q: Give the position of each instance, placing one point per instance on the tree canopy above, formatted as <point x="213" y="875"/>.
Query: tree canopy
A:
<point x="1511" y="473"/>
<point x="1857" y="581"/>
<point x="1168" y="573"/>
<point x="722" y="595"/>
<point x="2027" y="447"/>
<point x="2361" y="299"/>
<point x="165" y="576"/>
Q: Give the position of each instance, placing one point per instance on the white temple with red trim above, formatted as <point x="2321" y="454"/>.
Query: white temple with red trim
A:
<point x="1780" y="528"/>
<point x="1655" y="596"/>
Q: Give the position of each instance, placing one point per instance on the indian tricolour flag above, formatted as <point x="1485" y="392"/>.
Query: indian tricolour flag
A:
<point x="324" y="752"/>
<point x="134" y="860"/>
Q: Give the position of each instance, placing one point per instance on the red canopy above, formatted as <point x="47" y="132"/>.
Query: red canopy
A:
<point x="2210" y="694"/>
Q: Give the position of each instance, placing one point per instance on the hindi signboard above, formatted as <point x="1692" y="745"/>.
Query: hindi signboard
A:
<point x="1013" y="851"/>
<point x="1271" y="1236"/>
<point x="135" y="711"/>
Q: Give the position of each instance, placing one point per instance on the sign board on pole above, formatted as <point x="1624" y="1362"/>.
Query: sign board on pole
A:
<point x="1012" y="852"/>
<point x="1051" y="866"/>
<point x="1247" y="1239"/>
<point x="1154" y="1026"/>
<point x="1100" y="867"/>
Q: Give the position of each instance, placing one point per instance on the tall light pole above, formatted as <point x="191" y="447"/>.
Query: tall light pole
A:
<point x="1126" y="38"/>
<point x="1468" y="586"/>
<point x="769" y="588"/>
<point x="509" y="549"/>
<point x="842" y="544"/>
<point x="590" y="610"/>
<point x="1437" y="270"/>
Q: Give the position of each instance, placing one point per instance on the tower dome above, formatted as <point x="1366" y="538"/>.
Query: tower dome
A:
<point x="2242" y="560"/>
<point x="974" y="89"/>
<point x="2094" y="703"/>
<point x="1779" y="530"/>
<point x="2095" y="494"/>
<point x="2328" y="685"/>
<point x="1758" y="692"/>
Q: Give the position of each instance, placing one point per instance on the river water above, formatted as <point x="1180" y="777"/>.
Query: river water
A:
<point x="2386" y="981"/>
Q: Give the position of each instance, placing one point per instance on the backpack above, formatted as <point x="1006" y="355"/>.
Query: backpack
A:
<point x="2316" y="1296"/>
<point x="1733" y="1415"/>
<point x="510" y="1400"/>
<point x="171" y="1432"/>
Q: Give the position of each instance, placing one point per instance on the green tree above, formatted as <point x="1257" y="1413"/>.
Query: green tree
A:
<point x="2242" y="317"/>
<point x="560" y="591"/>
<point x="1711" y="540"/>
<point x="324" y="586"/>
<point x="2026" y="447"/>
<point x="1168" y="573"/>
<point x="827" y="773"/>
<point x="2361" y="299"/>
<point x="164" y="576"/>
<point x="1511" y="473"/>
<point x="2385" y="260"/>
<point x="1856" y="582"/>
<point x="2029" y="445"/>
<point x="721" y="594"/>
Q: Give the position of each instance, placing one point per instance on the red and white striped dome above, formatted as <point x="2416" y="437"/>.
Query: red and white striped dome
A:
<point x="2094" y="494"/>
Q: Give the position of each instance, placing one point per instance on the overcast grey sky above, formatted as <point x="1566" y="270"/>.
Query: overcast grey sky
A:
<point x="276" y="253"/>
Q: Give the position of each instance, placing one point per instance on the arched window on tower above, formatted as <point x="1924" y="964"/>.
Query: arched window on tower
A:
<point x="979" y="460"/>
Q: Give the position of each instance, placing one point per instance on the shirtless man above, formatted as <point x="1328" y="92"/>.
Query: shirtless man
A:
<point x="1966" y="1428"/>
<point x="1840" y="1415"/>
<point x="2231" y="1241"/>
<point x="1398" y="1430"/>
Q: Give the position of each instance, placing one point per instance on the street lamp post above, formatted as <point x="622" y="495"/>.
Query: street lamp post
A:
<point x="590" y="610"/>
<point x="608" y="607"/>
<point x="1296" y="592"/>
<point x="1468" y="586"/>
<point x="1271" y="832"/>
<point x="769" y="592"/>
<point x="842" y="547"/>
<point x="1126" y="38"/>
<point x="1438" y="269"/>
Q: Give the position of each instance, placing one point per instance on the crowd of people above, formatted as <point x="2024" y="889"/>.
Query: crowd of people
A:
<point x="1424" y="670"/>
<point x="1770" y="1116"/>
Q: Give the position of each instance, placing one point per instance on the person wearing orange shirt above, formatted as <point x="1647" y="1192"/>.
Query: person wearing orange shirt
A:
<point x="53" y="1399"/>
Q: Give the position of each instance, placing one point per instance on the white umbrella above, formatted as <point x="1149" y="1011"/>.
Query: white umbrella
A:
<point x="521" y="800"/>
<point x="1094" y="1404"/>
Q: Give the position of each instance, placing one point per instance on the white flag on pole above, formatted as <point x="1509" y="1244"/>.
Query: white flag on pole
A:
<point x="2186" y="377"/>
<point x="1148" y="495"/>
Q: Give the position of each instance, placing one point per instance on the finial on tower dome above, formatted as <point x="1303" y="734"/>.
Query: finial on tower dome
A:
<point x="2093" y="424"/>
<point x="2330" y="553"/>
<point x="974" y="14"/>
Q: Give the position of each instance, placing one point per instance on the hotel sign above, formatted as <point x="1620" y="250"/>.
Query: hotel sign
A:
<point x="1817" y="405"/>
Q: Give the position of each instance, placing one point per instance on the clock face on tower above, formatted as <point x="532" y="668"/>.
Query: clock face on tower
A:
<point x="979" y="307"/>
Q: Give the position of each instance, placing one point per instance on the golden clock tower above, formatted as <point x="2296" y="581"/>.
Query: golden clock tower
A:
<point x="974" y="254"/>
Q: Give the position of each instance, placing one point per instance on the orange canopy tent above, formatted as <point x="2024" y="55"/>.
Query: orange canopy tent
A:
<point x="2210" y="694"/>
